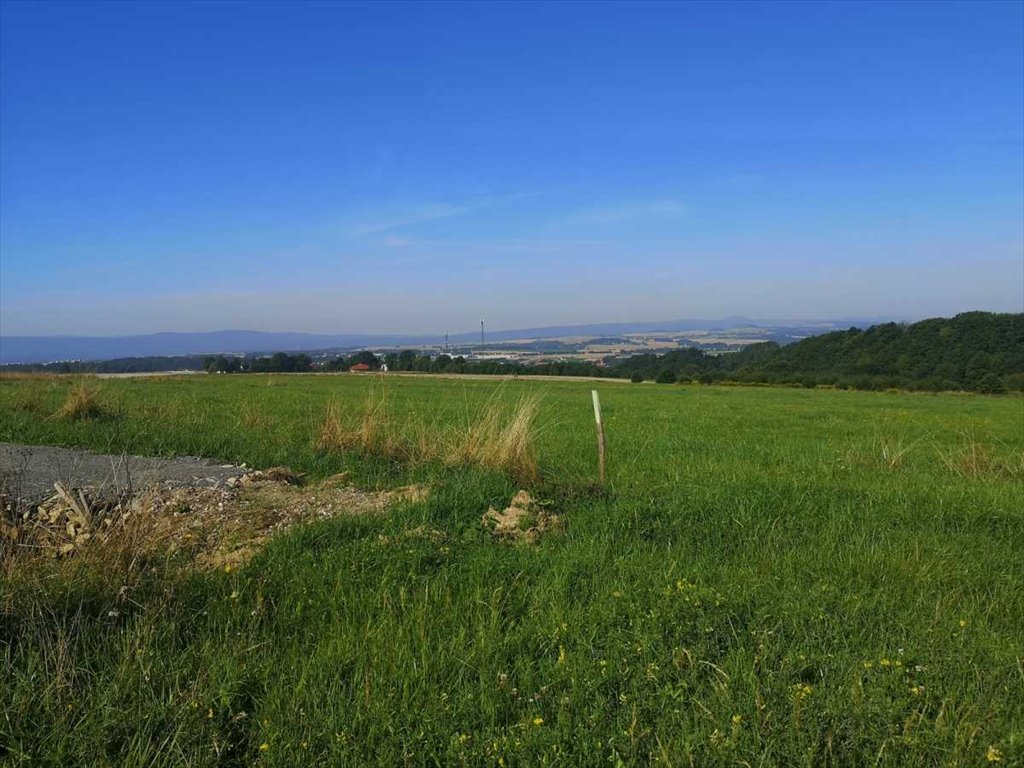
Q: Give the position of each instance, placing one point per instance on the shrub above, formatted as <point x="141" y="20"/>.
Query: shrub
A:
<point x="666" y="377"/>
<point x="991" y="384"/>
<point x="637" y="377"/>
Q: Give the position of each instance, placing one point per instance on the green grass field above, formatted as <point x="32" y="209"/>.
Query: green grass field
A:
<point x="773" y="577"/>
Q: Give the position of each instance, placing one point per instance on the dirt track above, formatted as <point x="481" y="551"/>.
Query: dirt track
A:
<point x="28" y="472"/>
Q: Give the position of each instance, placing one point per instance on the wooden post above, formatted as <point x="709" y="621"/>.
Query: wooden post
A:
<point x="600" y="435"/>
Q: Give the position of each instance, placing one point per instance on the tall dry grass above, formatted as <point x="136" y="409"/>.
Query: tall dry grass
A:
<point x="82" y="402"/>
<point x="501" y="435"/>
<point x="374" y="432"/>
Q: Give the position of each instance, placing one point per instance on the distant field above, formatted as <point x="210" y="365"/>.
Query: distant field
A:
<point x="773" y="577"/>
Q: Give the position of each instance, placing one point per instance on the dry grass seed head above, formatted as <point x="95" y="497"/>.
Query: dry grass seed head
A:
<point x="332" y="435"/>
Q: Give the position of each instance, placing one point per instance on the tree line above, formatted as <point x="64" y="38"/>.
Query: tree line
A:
<point x="974" y="351"/>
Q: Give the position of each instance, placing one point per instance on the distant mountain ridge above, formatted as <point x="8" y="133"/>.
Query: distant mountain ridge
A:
<point x="44" y="349"/>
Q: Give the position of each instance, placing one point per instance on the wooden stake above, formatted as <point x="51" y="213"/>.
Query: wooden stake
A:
<point x="600" y="435"/>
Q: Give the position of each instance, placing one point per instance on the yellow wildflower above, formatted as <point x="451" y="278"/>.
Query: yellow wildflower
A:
<point x="993" y="755"/>
<point x="264" y="747"/>
<point x="538" y="721"/>
<point x="737" y="719"/>
<point x="963" y="623"/>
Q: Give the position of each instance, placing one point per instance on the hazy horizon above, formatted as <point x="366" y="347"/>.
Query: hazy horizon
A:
<point x="400" y="168"/>
<point x="730" y="322"/>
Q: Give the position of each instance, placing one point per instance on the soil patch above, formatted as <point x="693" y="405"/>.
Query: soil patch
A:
<point x="220" y="521"/>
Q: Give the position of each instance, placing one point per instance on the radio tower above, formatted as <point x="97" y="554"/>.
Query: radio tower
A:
<point x="446" y="342"/>
<point x="481" y="331"/>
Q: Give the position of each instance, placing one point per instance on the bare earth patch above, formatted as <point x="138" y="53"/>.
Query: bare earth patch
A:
<point x="208" y="527"/>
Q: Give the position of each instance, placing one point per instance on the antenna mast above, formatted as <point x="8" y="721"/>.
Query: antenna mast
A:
<point x="481" y="331"/>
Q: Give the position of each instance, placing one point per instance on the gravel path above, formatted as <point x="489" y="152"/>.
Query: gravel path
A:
<point x="28" y="472"/>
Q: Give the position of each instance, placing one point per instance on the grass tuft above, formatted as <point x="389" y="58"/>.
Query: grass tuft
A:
<point x="252" y="415"/>
<point x="502" y="437"/>
<point x="332" y="437"/>
<point x="82" y="402"/>
<point x="976" y="460"/>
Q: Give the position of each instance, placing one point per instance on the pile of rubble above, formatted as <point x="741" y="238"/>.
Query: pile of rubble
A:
<point x="525" y="519"/>
<point x="212" y="527"/>
<point x="67" y="519"/>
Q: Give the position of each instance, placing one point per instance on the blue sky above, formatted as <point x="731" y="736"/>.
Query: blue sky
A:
<point x="413" y="167"/>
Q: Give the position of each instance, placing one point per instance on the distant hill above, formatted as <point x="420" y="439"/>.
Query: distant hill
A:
<point x="44" y="349"/>
<point x="979" y="351"/>
<point x="954" y="352"/>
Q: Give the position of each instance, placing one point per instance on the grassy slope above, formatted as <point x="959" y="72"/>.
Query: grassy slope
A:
<point x="733" y="598"/>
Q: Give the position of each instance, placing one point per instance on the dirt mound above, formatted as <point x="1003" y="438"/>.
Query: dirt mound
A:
<point x="209" y="527"/>
<point x="525" y="519"/>
<point x="272" y="475"/>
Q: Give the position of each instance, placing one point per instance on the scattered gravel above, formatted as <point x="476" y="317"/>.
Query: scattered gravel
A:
<point x="28" y="472"/>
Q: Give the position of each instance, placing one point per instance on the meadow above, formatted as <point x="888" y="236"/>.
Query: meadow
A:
<point x="770" y="577"/>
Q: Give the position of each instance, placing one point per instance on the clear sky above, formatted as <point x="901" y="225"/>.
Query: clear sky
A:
<point x="411" y="167"/>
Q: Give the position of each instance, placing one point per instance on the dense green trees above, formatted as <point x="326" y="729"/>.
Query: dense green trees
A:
<point x="280" y="362"/>
<point x="976" y="351"/>
<point x="222" y="364"/>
